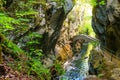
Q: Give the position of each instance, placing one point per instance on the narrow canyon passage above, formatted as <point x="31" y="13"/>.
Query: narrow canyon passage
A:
<point x="59" y="39"/>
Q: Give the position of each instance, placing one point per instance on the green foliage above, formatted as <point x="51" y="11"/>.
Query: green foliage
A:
<point x="87" y="28"/>
<point x="35" y="54"/>
<point x="100" y="75"/>
<point x="7" y="22"/>
<point x="94" y="2"/>
<point x="17" y="19"/>
<point x="95" y="43"/>
<point x="35" y="35"/>
<point x="19" y="67"/>
<point x="1" y="4"/>
<point x="59" y="68"/>
<point x="35" y="65"/>
<point x="13" y="48"/>
<point x="25" y="9"/>
<point x="34" y="42"/>
<point x="21" y="14"/>
<point x="102" y="2"/>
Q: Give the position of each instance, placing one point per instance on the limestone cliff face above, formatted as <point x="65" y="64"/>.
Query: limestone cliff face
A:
<point x="106" y="24"/>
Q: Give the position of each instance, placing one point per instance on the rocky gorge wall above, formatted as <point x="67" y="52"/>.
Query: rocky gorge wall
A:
<point x="106" y="24"/>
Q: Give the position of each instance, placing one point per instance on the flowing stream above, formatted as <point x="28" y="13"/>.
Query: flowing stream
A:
<point x="78" y="68"/>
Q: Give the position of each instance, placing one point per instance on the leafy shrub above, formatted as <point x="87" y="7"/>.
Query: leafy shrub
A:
<point x="36" y="67"/>
<point x="94" y="2"/>
<point x="59" y="68"/>
<point x="35" y="54"/>
<point x="7" y="22"/>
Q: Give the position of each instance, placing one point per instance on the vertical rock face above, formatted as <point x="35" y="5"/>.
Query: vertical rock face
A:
<point x="106" y="24"/>
<point x="50" y="37"/>
<point x="113" y="29"/>
<point x="99" y="22"/>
